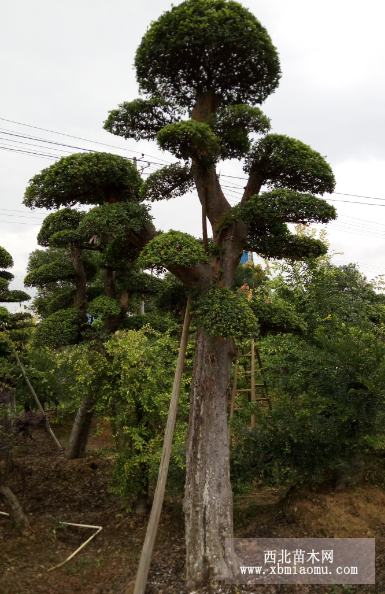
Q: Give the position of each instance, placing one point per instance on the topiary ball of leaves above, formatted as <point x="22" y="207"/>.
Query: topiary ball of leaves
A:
<point x="190" y="139"/>
<point x="173" y="247"/>
<point x="201" y="45"/>
<point x="103" y="306"/>
<point x="6" y="260"/>
<point x="59" y="329"/>
<point x="160" y="323"/>
<point x="221" y="312"/>
<point x="85" y="179"/>
<point x="284" y="162"/>
<point x="4" y="315"/>
<point x="65" y="222"/>
<point x="285" y="206"/>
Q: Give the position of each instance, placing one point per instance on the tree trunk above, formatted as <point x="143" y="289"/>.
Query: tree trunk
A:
<point x="109" y="282"/>
<point x="13" y="507"/>
<point x="208" y="502"/>
<point x="80" y="297"/>
<point x="142" y="497"/>
<point x="77" y="443"/>
<point x="111" y="324"/>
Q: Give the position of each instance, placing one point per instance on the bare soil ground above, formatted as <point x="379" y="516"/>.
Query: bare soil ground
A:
<point x="52" y="490"/>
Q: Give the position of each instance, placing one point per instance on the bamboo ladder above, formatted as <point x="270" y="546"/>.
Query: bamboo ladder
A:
<point x="254" y="354"/>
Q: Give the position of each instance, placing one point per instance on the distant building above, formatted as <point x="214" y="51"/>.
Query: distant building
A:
<point x="247" y="257"/>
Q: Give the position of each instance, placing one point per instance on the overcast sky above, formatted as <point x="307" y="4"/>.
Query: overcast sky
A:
<point x="64" y="65"/>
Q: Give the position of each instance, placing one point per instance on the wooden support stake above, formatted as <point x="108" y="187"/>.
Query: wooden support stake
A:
<point x="39" y="406"/>
<point x="252" y="380"/>
<point x="152" y="528"/>
<point x="234" y="392"/>
<point x="141" y="304"/>
<point x="204" y="221"/>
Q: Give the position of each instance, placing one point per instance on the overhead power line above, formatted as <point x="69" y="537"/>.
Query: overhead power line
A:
<point x="2" y="131"/>
<point x="361" y="220"/>
<point x="14" y="210"/>
<point x="17" y="223"/>
<point x="360" y="264"/>
<point x="354" y="202"/>
<point x="79" y="138"/>
<point x="14" y="150"/>
<point x="234" y="189"/>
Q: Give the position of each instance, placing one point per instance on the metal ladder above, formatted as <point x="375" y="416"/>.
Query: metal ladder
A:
<point x="254" y="354"/>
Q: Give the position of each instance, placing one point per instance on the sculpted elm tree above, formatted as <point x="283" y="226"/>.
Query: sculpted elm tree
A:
<point x="203" y="68"/>
<point x="90" y="264"/>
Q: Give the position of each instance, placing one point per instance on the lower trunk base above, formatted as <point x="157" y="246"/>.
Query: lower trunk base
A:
<point x="77" y="443"/>
<point x="208" y="502"/>
<point x="13" y="507"/>
<point x="141" y="504"/>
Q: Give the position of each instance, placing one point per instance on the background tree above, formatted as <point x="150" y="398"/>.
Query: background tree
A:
<point x="15" y="329"/>
<point x="7" y="295"/>
<point x="91" y="256"/>
<point x="326" y="381"/>
<point x="14" y="324"/>
<point x="203" y="67"/>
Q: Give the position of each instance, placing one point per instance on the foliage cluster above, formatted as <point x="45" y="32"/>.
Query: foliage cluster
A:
<point x="167" y="63"/>
<point x="169" y="182"/>
<point x="326" y="378"/>
<point x="7" y="295"/>
<point x="173" y="247"/>
<point x="222" y="312"/>
<point x="81" y="178"/>
<point x="285" y="162"/>
<point x="60" y="328"/>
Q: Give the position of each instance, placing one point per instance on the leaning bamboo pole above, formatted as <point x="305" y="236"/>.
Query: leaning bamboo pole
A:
<point x="152" y="528"/>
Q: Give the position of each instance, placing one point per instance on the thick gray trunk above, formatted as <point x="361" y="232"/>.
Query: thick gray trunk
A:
<point x="78" y="440"/>
<point x="208" y="502"/>
<point x="13" y="507"/>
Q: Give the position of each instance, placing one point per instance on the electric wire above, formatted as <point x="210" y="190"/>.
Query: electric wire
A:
<point x="17" y="223"/>
<point x="2" y="131"/>
<point x="43" y="140"/>
<point x="79" y="138"/>
<point x="34" y="153"/>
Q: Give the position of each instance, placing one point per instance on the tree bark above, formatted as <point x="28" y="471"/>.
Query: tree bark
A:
<point x="111" y="324"/>
<point x="13" y="507"/>
<point x="142" y="497"/>
<point x="78" y="440"/>
<point x="208" y="502"/>
<point x="80" y="297"/>
<point x="109" y="282"/>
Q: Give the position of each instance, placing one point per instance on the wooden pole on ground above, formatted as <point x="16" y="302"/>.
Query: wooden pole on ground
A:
<point x="152" y="528"/>
<point x="39" y="406"/>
